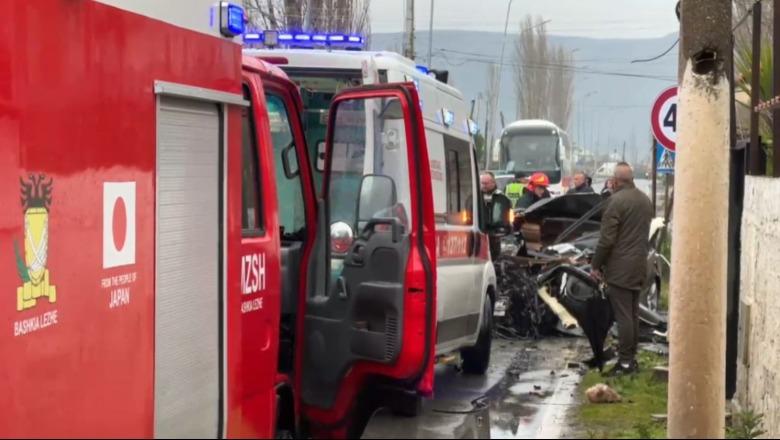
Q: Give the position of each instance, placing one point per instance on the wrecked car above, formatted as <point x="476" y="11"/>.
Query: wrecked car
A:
<point x="544" y="274"/>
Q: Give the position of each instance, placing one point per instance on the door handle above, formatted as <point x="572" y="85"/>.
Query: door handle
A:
<point x="356" y="253"/>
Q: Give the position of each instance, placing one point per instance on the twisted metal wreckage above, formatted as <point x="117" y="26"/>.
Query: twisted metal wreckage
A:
<point x="544" y="278"/>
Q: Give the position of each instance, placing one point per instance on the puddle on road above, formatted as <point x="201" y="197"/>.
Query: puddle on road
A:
<point x="533" y="405"/>
<point x="517" y="398"/>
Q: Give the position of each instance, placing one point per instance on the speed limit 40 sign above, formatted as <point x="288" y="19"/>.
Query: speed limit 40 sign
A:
<point x="664" y="118"/>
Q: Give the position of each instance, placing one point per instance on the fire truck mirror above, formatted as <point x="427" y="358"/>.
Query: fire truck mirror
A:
<point x="290" y="161"/>
<point x="341" y="237"/>
<point x="377" y="197"/>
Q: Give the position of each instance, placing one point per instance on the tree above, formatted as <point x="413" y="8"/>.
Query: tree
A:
<point x="544" y="78"/>
<point x="344" y="16"/>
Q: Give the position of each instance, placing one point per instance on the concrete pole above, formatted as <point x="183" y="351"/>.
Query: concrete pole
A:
<point x="409" y="30"/>
<point x="697" y="361"/>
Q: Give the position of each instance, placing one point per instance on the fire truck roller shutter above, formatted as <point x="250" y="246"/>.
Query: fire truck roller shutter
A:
<point x="188" y="295"/>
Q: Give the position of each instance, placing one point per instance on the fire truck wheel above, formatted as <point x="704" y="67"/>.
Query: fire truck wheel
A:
<point x="477" y="358"/>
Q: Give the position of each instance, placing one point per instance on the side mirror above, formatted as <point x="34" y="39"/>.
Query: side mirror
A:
<point x="377" y="196"/>
<point x="341" y="238"/>
<point x="290" y="161"/>
<point x="500" y="223"/>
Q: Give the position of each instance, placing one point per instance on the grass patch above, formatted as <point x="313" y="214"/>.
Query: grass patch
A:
<point x="663" y="302"/>
<point x="642" y="397"/>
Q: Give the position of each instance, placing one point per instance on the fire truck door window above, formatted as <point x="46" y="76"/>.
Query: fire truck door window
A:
<point x="369" y="138"/>
<point x="251" y="212"/>
<point x="292" y="218"/>
<point x="460" y="181"/>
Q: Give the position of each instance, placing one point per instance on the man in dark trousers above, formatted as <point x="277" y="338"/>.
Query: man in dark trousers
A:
<point x="621" y="260"/>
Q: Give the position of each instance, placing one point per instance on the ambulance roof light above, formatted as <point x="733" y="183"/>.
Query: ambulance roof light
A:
<point x="449" y="117"/>
<point x="304" y="40"/>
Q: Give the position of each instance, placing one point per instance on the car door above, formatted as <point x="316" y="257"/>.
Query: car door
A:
<point x="376" y="314"/>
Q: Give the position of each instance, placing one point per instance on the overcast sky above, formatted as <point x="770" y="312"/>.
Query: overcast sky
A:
<point x="584" y="18"/>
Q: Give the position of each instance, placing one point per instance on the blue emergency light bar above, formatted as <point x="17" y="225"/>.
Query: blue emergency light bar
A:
<point x="303" y="39"/>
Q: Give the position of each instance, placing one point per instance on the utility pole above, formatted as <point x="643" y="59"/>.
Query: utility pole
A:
<point x="497" y="103"/>
<point x="697" y="331"/>
<point x="409" y="30"/>
<point x="430" y="39"/>
<point x="307" y="16"/>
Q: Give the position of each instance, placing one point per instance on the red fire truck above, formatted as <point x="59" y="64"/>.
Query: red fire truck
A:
<point x="167" y="267"/>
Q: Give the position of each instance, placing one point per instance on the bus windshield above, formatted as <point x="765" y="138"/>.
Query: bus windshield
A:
<point x="530" y="151"/>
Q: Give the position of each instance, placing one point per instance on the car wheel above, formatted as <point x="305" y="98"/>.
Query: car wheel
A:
<point x="652" y="299"/>
<point x="476" y="359"/>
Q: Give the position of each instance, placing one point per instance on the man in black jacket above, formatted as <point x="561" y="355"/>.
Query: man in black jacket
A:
<point x="621" y="260"/>
<point x="581" y="184"/>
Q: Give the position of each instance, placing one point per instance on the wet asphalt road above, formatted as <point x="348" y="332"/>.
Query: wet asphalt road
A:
<point x="526" y="394"/>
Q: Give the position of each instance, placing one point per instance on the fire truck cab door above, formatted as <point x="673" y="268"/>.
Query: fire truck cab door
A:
<point x="376" y="315"/>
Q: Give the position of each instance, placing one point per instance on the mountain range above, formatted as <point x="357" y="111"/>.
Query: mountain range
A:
<point x="612" y="96"/>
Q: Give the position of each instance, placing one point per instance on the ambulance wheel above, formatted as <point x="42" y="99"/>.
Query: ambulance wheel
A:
<point x="477" y="358"/>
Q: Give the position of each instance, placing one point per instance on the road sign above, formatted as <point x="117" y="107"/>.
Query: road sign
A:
<point x="663" y="118"/>
<point x="665" y="159"/>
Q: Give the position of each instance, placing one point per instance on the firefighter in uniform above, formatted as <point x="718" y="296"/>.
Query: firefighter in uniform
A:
<point x="535" y="191"/>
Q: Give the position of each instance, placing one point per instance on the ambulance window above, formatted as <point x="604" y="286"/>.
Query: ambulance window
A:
<point x="292" y="217"/>
<point x="251" y="212"/>
<point x="460" y="181"/>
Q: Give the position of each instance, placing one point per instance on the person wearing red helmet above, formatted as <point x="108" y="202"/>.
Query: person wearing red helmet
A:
<point x="536" y="190"/>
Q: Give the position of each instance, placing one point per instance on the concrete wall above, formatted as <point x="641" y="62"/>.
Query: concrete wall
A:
<point x="759" y="344"/>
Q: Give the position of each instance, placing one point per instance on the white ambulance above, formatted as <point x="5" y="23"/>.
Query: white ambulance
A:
<point x="466" y="283"/>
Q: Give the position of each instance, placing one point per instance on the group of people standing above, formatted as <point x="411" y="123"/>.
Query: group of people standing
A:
<point x="621" y="254"/>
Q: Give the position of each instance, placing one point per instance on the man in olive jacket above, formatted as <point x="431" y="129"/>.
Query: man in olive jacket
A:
<point x="621" y="260"/>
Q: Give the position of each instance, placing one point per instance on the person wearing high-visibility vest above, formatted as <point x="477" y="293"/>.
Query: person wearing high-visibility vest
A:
<point x="516" y="188"/>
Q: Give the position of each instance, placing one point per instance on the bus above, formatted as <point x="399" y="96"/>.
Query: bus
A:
<point x="529" y="146"/>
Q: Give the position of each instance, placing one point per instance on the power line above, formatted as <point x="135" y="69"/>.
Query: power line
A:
<point x="744" y="17"/>
<point x="677" y="41"/>
<point x="565" y="67"/>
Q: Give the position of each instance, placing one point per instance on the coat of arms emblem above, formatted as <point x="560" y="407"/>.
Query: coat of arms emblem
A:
<point x="36" y="200"/>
